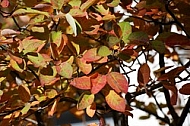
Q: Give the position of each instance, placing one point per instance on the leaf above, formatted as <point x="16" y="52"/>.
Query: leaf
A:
<point x="87" y="4"/>
<point x="91" y="55"/>
<point x="9" y="32"/>
<point x="158" y="46"/>
<point x="126" y="30"/>
<point x="72" y="23"/>
<point x="81" y="82"/>
<point x="115" y="101"/>
<point x="117" y="81"/>
<point x="30" y="45"/>
<point x="108" y="17"/>
<point x="143" y="74"/>
<point x="98" y="82"/>
<point x="83" y="66"/>
<point x="56" y="37"/>
<point x="24" y="93"/>
<point x="5" y="3"/>
<point x="65" y="69"/>
<point x="113" y="41"/>
<point x="114" y="3"/>
<point x="15" y="66"/>
<point x="57" y="4"/>
<point x="185" y="89"/>
<point x="26" y="108"/>
<point x="48" y="76"/>
<point x="104" y="51"/>
<point x="177" y="39"/>
<point x="102" y="10"/>
<point x="91" y="109"/>
<point x="38" y="60"/>
<point x="26" y="11"/>
<point x="53" y="108"/>
<point x="50" y="93"/>
<point x="173" y="89"/>
<point x="139" y="38"/>
<point x="85" y="100"/>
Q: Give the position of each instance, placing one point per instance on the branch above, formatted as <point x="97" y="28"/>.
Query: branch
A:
<point x="175" y="19"/>
<point x="184" y="113"/>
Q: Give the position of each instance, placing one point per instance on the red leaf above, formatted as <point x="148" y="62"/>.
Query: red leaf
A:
<point x="98" y="82"/>
<point x="115" y="101"/>
<point x="117" y="81"/>
<point x="81" y="82"/>
<point x="143" y="74"/>
<point x="185" y="89"/>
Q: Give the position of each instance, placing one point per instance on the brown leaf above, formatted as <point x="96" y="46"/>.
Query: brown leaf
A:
<point x="185" y="89"/>
<point x="24" y="93"/>
<point x="143" y="74"/>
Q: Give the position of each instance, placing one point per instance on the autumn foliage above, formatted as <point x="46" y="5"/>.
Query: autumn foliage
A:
<point x="78" y="56"/>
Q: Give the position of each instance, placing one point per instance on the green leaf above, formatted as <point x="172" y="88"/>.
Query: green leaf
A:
<point x="158" y="46"/>
<point x="72" y="23"/>
<point x="114" y="3"/>
<point x="26" y="11"/>
<point x="117" y="82"/>
<point x="126" y="30"/>
<point x="85" y="100"/>
<point x="75" y="3"/>
<point x="56" y="37"/>
<point x="138" y="38"/>
<point x="38" y="60"/>
<point x="65" y="69"/>
<point x="104" y="51"/>
<point x="115" y="101"/>
<point x="15" y="66"/>
<point x="81" y="82"/>
<point x="26" y="108"/>
<point x="113" y="41"/>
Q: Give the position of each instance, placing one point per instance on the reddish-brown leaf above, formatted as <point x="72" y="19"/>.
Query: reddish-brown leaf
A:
<point x="24" y="93"/>
<point x="177" y="39"/>
<point x="173" y="89"/>
<point x="115" y="101"/>
<point x="185" y="89"/>
<point x="81" y="82"/>
<point x="117" y="81"/>
<point x="98" y="82"/>
<point x="143" y="74"/>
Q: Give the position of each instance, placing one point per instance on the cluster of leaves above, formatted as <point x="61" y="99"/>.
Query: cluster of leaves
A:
<point x="60" y="55"/>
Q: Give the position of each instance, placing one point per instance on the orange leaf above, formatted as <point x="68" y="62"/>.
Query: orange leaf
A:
<point x="115" y="101"/>
<point x="117" y="81"/>
<point x="53" y="108"/>
<point x="81" y="82"/>
<point x="143" y="74"/>
<point x="91" y="55"/>
<point x="83" y="66"/>
<point x="91" y="109"/>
